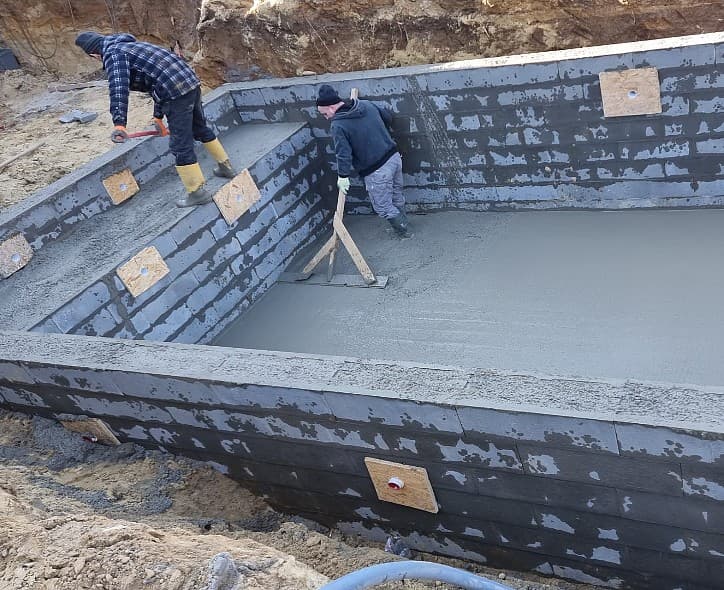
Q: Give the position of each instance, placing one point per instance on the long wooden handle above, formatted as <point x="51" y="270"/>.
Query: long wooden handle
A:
<point x="30" y="150"/>
<point x="354" y="253"/>
<point x="341" y="200"/>
<point x="319" y="256"/>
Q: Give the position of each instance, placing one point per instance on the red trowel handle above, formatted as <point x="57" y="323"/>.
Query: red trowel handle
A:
<point x="142" y="134"/>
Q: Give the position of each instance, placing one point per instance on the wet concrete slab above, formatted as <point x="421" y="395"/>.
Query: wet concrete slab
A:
<point x="623" y="295"/>
<point x="101" y="243"/>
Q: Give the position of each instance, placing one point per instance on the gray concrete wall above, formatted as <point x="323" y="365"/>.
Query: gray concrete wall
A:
<point x="610" y="498"/>
<point x="216" y="270"/>
<point x="529" y="131"/>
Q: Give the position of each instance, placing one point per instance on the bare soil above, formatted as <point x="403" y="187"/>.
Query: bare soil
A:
<point x="29" y="114"/>
<point x="244" y="39"/>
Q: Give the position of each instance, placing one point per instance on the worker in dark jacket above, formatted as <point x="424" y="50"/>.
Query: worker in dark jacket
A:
<point x="176" y="92"/>
<point x="363" y="142"/>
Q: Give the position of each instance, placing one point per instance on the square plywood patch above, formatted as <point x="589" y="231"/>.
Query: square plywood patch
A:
<point x="121" y="186"/>
<point x="415" y="491"/>
<point x="93" y="428"/>
<point x="15" y="253"/>
<point x="630" y="92"/>
<point x="237" y="196"/>
<point x="143" y="271"/>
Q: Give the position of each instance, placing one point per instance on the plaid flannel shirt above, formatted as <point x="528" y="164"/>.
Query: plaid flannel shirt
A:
<point x="133" y="65"/>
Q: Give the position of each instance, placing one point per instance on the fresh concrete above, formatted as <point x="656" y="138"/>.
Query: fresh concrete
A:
<point x="100" y="244"/>
<point x="616" y="295"/>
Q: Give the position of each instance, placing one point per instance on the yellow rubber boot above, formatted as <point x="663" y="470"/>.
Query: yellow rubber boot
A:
<point x="193" y="180"/>
<point x="218" y="153"/>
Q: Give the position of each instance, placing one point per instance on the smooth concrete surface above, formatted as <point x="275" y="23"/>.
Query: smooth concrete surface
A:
<point x="105" y="241"/>
<point x="622" y="295"/>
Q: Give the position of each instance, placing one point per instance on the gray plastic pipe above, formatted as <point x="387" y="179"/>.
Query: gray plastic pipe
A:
<point x="412" y="570"/>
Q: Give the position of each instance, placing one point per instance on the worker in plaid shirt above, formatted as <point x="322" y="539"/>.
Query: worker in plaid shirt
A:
<point x="176" y="92"/>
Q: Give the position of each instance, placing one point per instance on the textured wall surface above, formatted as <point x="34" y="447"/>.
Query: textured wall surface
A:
<point x="496" y="134"/>
<point x="593" y="499"/>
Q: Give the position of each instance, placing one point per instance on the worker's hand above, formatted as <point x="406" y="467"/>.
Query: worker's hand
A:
<point x="160" y="127"/>
<point x="343" y="185"/>
<point x="119" y="134"/>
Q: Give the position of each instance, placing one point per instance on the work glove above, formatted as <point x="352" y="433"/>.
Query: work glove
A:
<point x="119" y="134"/>
<point x="160" y="127"/>
<point x="343" y="184"/>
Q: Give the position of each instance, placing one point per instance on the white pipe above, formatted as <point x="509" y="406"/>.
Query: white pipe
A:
<point x="412" y="570"/>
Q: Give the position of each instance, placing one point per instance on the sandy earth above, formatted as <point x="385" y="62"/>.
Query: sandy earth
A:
<point x="29" y="114"/>
<point x="78" y="515"/>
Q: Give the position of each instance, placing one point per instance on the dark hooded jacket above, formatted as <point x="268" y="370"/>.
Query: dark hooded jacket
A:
<point x="144" y="67"/>
<point x="361" y="138"/>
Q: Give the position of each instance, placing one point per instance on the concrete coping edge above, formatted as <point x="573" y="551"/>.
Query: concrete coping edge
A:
<point x="115" y="155"/>
<point x="242" y="366"/>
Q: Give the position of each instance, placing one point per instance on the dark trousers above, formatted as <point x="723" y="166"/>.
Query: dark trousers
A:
<point x="186" y="123"/>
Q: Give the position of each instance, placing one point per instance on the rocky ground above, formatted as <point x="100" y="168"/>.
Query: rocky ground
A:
<point x="79" y="515"/>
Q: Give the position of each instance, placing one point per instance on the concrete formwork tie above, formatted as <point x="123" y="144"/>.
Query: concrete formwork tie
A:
<point x="412" y="570"/>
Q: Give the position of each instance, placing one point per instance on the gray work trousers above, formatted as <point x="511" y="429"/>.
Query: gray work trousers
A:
<point x="384" y="187"/>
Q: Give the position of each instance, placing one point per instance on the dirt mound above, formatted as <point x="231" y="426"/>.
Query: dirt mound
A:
<point x="242" y="39"/>
<point x="69" y="513"/>
<point x="42" y="33"/>
<point x="84" y="551"/>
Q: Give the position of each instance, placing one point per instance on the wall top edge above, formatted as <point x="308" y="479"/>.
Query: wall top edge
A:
<point x="680" y="407"/>
<point x="114" y="155"/>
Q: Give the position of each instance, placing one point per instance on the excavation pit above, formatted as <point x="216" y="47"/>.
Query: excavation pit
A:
<point x="546" y="346"/>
